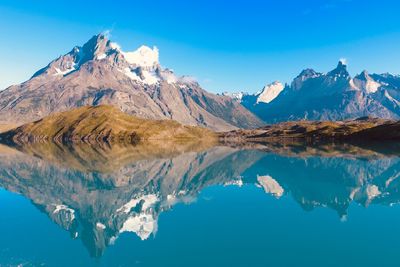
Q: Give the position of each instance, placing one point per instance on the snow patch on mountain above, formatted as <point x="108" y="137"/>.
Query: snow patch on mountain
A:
<point x="366" y="83"/>
<point x="372" y="191"/>
<point x="63" y="208"/>
<point x="144" y="56"/>
<point x="270" y="186"/>
<point x="269" y="92"/>
<point x="238" y="96"/>
<point x="142" y="222"/>
<point x="392" y="99"/>
<point x="305" y="75"/>
<point x="141" y="65"/>
<point x="144" y="66"/>
<point x="62" y="73"/>
<point x="115" y="46"/>
<point x="334" y="95"/>
<point x="146" y="200"/>
<point x="143" y="225"/>
<point x="101" y="56"/>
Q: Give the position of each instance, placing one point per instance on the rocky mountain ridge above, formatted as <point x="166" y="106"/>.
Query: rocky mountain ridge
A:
<point x="332" y="96"/>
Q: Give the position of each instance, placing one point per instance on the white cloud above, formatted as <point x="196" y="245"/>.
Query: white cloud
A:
<point x="207" y="80"/>
<point x="188" y="79"/>
<point x="344" y="61"/>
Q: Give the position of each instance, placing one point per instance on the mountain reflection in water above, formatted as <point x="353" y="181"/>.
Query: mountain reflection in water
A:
<point x="98" y="193"/>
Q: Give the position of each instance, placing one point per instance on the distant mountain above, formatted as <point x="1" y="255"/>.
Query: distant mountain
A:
<point x="332" y="96"/>
<point x="266" y="95"/>
<point x="235" y="96"/>
<point x="100" y="72"/>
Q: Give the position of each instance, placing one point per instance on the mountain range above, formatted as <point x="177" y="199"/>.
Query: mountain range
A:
<point x="100" y="72"/>
<point x="334" y="96"/>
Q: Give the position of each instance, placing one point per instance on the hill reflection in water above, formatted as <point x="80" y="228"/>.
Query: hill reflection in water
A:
<point x="98" y="193"/>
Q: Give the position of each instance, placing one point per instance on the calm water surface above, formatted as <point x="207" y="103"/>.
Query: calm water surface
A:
<point x="219" y="207"/>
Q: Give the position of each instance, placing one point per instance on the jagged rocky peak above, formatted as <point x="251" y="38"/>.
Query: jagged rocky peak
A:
<point x="331" y="96"/>
<point x="304" y="76"/>
<point x="340" y="71"/>
<point x="366" y="83"/>
<point x="270" y="92"/>
<point x="99" y="47"/>
<point x="308" y="73"/>
<point x="363" y="76"/>
<point x="141" y="65"/>
<point x="96" y="48"/>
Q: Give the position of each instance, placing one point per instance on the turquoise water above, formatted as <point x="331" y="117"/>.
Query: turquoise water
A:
<point x="221" y="207"/>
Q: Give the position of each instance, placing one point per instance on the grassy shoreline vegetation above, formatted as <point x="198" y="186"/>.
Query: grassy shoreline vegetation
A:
<point x="108" y="124"/>
<point x="105" y="139"/>
<point x="358" y="130"/>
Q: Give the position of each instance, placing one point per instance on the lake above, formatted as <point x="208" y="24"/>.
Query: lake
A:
<point x="219" y="206"/>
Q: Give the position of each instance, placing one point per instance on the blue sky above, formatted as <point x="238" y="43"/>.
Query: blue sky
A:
<point x="226" y="45"/>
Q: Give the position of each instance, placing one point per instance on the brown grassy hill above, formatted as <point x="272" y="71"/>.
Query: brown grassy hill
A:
<point x="103" y="123"/>
<point x="362" y="129"/>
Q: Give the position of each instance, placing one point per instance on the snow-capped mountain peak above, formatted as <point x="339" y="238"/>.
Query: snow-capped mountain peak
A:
<point x="308" y="73"/>
<point x="141" y="65"/>
<point x="237" y="96"/>
<point x="387" y="80"/>
<point x="366" y="83"/>
<point x="96" y="48"/>
<point x="266" y="95"/>
<point x="144" y="56"/>
<point x="332" y="96"/>
<point x="304" y="76"/>
<point x="269" y="92"/>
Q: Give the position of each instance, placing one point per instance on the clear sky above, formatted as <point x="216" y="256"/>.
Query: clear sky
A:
<point x="227" y="45"/>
